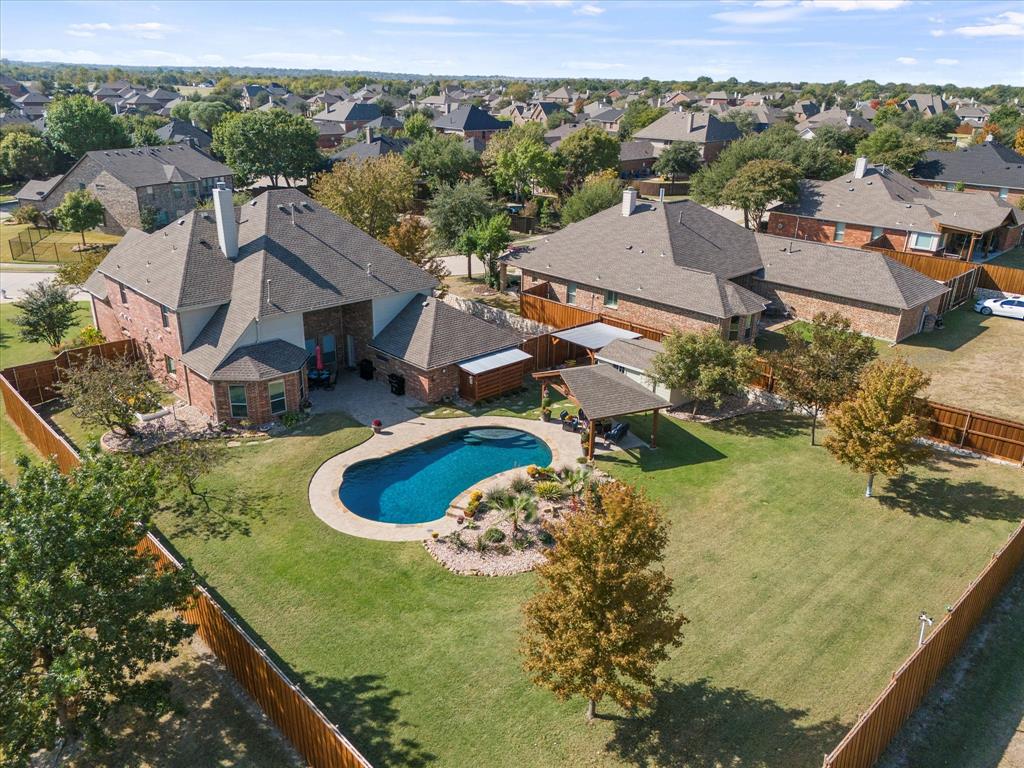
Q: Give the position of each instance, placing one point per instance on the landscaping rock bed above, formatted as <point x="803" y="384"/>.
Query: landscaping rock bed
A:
<point x="181" y="422"/>
<point x="751" y="401"/>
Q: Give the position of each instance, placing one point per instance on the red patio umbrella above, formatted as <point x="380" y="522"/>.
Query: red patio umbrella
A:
<point x="319" y="358"/>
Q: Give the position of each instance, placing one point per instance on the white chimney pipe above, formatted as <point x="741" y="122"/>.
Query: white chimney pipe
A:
<point x="227" y="227"/>
<point x="628" y="201"/>
<point x="860" y="168"/>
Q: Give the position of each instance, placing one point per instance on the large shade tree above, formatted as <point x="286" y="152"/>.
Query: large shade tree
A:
<point x="271" y="143"/>
<point x="681" y="158"/>
<point x="602" y="619"/>
<point x="46" y="313"/>
<point x="370" y="193"/>
<point x="79" y="124"/>
<point x="455" y="209"/>
<point x="442" y="159"/>
<point x="518" y="159"/>
<point x="82" y="612"/>
<point x="589" y="150"/>
<point x="704" y="365"/>
<point x="761" y="183"/>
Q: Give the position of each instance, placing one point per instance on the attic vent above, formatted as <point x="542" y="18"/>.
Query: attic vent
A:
<point x="282" y="208"/>
<point x="307" y="206"/>
<point x="870" y="183"/>
<point x="296" y="207"/>
<point x="629" y="247"/>
<point x="253" y="203"/>
<point x="206" y="217"/>
<point x="181" y="222"/>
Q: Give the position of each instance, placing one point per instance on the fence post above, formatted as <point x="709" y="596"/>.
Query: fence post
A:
<point x="967" y="423"/>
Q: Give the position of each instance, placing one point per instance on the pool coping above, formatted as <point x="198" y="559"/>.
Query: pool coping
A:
<point x="325" y="485"/>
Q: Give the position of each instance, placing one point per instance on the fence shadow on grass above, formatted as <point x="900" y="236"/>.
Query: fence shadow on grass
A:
<point x="938" y="498"/>
<point x="771" y="424"/>
<point x="698" y="725"/>
<point x="365" y="710"/>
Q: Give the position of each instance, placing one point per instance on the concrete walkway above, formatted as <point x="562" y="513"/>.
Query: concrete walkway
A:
<point x="364" y="401"/>
<point x="324" y="488"/>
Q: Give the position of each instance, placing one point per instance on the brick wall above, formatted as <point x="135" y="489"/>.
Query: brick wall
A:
<point x="1010" y="238"/>
<point x="141" y="320"/>
<point x="357" y="320"/>
<point x="911" y="319"/>
<point x="629" y="308"/>
<point x="869" y="319"/>
<point x="1013" y="197"/>
<point x="200" y="392"/>
<point x="820" y="231"/>
<point x="257" y="396"/>
<point x="428" y="386"/>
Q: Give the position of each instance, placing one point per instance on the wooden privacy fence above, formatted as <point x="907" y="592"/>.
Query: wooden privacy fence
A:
<point x="318" y="740"/>
<point x="867" y="740"/>
<point x="977" y="432"/>
<point x="990" y="276"/>
<point x="36" y="381"/>
<point x="534" y="305"/>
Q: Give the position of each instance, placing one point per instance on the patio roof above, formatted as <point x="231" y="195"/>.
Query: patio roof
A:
<point x="602" y="392"/>
<point x="493" y="361"/>
<point x="595" y="335"/>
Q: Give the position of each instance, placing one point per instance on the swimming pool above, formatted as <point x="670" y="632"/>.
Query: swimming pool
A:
<point x="417" y="484"/>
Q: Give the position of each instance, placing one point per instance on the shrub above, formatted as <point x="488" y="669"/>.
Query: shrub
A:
<point x="520" y="541"/>
<point x="549" y="490"/>
<point x="497" y="497"/>
<point x="546" y="539"/>
<point x="27" y="214"/>
<point x="290" y="419"/>
<point x="493" y="536"/>
<point x="455" y="539"/>
<point x="88" y="336"/>
<point x="520" y="485"/>
<point x="473" y="505"/>
<point x="480" y="544"/>
<point x="540" y="473"/>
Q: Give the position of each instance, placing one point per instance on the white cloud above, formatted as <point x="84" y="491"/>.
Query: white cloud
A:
<point x="308" y="60"/>
<point x="587" y="9"/>
<point x="1008" y="24"/>
<point x="906" y="60"/>
<point x="777" y="11"/>
<point x="938" y="32"/>
<point x="856" y="5"/>
<point x="595" y="66"/>
<point x="533" y="3"/>
<point x="92" y="27"/>
<point x="947" y="62"/>
<point x="147" y="30"/>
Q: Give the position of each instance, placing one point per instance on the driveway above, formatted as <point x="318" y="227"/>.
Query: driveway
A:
<point x="13" y="283"/>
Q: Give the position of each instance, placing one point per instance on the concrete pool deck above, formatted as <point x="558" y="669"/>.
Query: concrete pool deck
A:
<point x="325" y="501"/>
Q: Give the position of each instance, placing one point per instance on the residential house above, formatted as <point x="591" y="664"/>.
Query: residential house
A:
<point x="182" y="131"/>
<point x="163" y="95"/>
<point x="802" y="109"/>
<point x="677" y="99"/>
<point x="763" y="117"/>
<point x="636" y="159"/>
<point x="634" y="358"/>
<point x="470" y="121"/>
<point x="836" y="118"/>
<point x="373" y="146"/>
<point x="565" y="96"/>
<point x="927" y="103"/>
<point x="33" y="105"/>
<point x="538" y="112"/>
<point x="254" y="94"/>
<point x="231" y="305"/>
<point x="321" y="100"/>
<point x="441" y="104"/>
<point x="35" y="190"/>
<point x="681" y="266"/>
<point x="554" y="137"/>
<point x="720" y="98"/>
<point x="347" y="115"/>
<point x="974" y="115"/>
<point x="168" y="180"/>
<point x="136" y="103"/>
<point x="290" y="103"/>
<point x="878" y="206"/>
<point x="989" y="167"/>
<point x="709" y="133"/>
<point x="12" y="87"/>
<point x="609" y="119"/>
<point x="382" y="125"/>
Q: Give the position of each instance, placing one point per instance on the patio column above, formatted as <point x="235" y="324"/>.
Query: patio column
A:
<point x="591" y="430"/>
<point x="970" y="249"/>
<point x="654" y="429"/>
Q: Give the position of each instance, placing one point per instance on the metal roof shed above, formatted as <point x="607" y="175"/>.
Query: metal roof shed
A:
<point x="595" y="336"/>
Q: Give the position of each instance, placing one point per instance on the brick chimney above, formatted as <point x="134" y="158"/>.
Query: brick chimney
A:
<point x="227" y="227"/>
<point x="860" y="168"/>
<point x="628" y="201"/>
<point x="369" y="135"/>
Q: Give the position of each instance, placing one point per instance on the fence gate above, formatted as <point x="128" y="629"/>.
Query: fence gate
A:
<point x="961" y="289"/>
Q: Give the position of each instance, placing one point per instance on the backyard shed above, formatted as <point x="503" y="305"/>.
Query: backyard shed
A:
<point x="594" y="336"/>
<point x="493" y="374"/>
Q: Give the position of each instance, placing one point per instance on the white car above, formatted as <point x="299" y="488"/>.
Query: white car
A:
<point x="1011" y="307"/>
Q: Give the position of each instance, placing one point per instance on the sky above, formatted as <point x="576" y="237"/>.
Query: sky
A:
<point x="971" y="43"/>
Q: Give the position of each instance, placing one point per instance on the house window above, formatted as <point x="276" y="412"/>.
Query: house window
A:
<point x="1003" y="192"/>
<point x="165" y="316"/>
<point x="123" y="292"/>
<point x="570" y="293"/>
<point x="170" y="365"/>
<point x="951" y="186"/>
<point x="239" y="405"/>
<point x="275" y="390"/>
<point x="922" y="241"/>
<point x="734" y="328"/>
<point x="840" y="231"/>
<point x="876" y="232"/>
<point x="611" y="299"/>
<point x="748" y="330"/>
<point x="149" y="190"/>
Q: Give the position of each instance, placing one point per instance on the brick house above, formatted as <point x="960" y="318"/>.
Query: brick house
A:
<point x="470" y="122"/>
<point x="170" y="180"/>
<point x="347" y="115"/>
<point x="710" y="134"/>
<point x="878" y="206"/>
<point x="988" y="167"/>
<point x="229" y="305"/>
<point x="680" y="266"/>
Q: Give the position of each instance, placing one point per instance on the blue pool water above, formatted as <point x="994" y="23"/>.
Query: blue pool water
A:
<point x="416" y="484"/>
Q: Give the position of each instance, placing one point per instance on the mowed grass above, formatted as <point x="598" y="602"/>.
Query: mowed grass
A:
<point x="974" y="362"/>
<point x="43" y="254"/>
<point x="523" y="404"/>
<point x="803" y="597"/>
<point x="14" y="351"/>
<point x="1011" y="258"/>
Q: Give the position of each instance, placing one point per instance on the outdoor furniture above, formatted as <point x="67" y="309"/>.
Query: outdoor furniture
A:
<point x="617" y="432"/>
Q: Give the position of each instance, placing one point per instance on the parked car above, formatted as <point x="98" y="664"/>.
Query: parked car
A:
<point x="1011" y="307"/>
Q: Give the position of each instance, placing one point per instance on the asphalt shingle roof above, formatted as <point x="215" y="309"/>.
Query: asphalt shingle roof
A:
<point x="429" y="334"/>
<point x="990" y="164"/>
<point x="150" y="166"/>
<point x="37" y="189"/>
<point x="469" y="117"/>
<point x="603" y="392"/>
<point x="678" y="254"/>
<point x="183" y="131"/>
<point x="348" y="111"/>
<point x="258" y="362"/>
<point x="890" y="199"/>
<point x="849" y="273"/>
<point x="698" y="127"/>
<point x="380" y="146"/>
<point x="637" y="354"/>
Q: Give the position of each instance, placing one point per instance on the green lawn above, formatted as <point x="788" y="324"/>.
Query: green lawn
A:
<point x="803" y="598"/>
<point x="524" y="404"/>
<point x="13" y="351"/>
<point x="10" y="230"/>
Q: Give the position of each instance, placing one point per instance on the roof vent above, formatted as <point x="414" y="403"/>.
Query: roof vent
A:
<point x="296" y="207"/>
<point x="369" y="268"/>
<point x="282" y="208"/>
<point x="181" y="221"/>
<point x="253" y="203"/>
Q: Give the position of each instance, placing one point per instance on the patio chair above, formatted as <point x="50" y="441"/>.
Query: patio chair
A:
<point x="617" y="432"/>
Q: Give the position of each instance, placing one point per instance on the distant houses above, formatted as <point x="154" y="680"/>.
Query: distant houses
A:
<point x="708" y="132"/>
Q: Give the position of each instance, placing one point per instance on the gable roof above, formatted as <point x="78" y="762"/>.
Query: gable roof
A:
<point x="678" y="254"/>
<point x="429" y="333"/>
<point x="838" y="118"/>
<point x="183" y="131"/>
<point x="149" y="166"/>
<point x="380" y="146"/>
<point x="885" y="198"/>
<point x="469" y="117"/>
<point x="990" y="164"/>
<point x="603" y="392"/>
<point x="294" y="255"/>
<point x="37" y="189"/>
<point x="698" y="127"/>
<point x="637" y="354"/>
<point x="636" y="150"/>
<point x="849" y="273"/>
<point x="347" y="111"/>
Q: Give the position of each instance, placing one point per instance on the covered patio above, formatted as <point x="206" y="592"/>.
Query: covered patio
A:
<point x="602" y="394"/>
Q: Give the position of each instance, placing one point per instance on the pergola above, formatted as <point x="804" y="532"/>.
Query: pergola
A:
<point x="594" y="337"/>
<point x="602" y="393"/>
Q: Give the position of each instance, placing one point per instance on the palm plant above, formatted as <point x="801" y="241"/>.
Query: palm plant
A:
<point x="576" y="480"/>
<point x="515" y="507"/>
